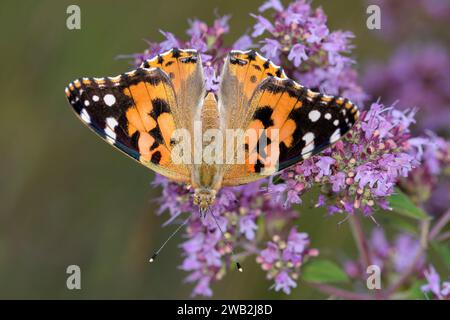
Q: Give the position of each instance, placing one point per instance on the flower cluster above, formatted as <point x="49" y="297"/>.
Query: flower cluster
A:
<point x="428" y="184"/>
<point x="357" y="174"/>
<point x="282" y="259"/>
<point x="361" y="171"/>
<point x="396" y="256"/>
<point x="403" y="19"/>
<point x="415" y="76"/>
<point x="439" y="291"/>
<point x="299" y="39"/>
<point x="237" y="211"/>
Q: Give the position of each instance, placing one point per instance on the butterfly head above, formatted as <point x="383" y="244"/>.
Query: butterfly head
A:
<point x="204" y="198"/>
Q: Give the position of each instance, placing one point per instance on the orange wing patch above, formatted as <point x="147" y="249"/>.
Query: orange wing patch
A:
<point x="179" y="65"/>
<point x="184" y="68"/>
<point x="250" y="68"/>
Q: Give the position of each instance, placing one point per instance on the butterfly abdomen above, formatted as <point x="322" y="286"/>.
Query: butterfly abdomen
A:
<point x="208" y="172"/>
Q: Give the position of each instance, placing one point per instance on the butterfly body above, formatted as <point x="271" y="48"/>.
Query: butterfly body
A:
<point x="207" y="178"/>
<point x="257" y="124"/>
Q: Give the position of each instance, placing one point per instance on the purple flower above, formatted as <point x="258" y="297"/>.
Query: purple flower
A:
<point x="221" y="25"/>
<point x="393" y="257"/>
<point x="282" y="259"/>
<point x="243" y="43"/>
<point x="295" y="247"/>
<point x="324" y="166"/>
<point x="199" y="44"/>
<point x="211" y="79"/>
<point x="434" y="284"/>
<point x="337" y="181"/>
<point x="197" y="28"/>
<point x="271" y="48"/>
<point x="170" y="41"/>
<point x="379" y="243"/>
<point x="416" y="77"/>
<point x="406" y="249"/>
<point x="403" y="19"/>
<point x="202" y="288"/>
<point x="434" y="281"/>
<point x="297" y="54"/>
<point x="363" y="169"/>
<point x="271" y="4"/>
<point x="284" y="282"/>
<point x="261" y="26"/>
<point x="269" y="255"/>
<point x="318" y="56"/>
<point x="430" y="188"/>
<point x="318" y="32"/>
<point x="248" y="226"/>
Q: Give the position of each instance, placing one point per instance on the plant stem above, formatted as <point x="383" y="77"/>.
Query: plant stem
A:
<point x="424" y="228"/>
<point x="443" y="236"/>
<point x="333" y="291"/>
<point x="358" y="235"/>
<point x="440" y="224"/>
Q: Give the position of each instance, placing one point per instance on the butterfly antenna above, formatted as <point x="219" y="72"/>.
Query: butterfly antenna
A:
<point x="238" y="265"/>
<point x="170" y="237"/>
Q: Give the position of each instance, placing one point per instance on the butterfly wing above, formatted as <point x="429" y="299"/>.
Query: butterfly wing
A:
<point x="243" y="71"/>
<point x="184" y="68"/>
<point x="305" y="123"/>
<point x="137" y="112"/>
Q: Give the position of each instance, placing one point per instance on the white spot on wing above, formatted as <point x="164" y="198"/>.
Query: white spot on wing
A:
<point x="306" y="155"/>
<point x="309" y="143"/>
<point x="111" y="123"/>
<point x="314" y="115"/>
<point x="335" y="136"/>
<point x="95" y="98"/>
<point x="86" y="103"/>
<point x="328" y="116"/>
<point x="109" y="99"/>
<point x="85" y="116"/>
<point x="110" y="140"/>
<point x="336" y="122"/>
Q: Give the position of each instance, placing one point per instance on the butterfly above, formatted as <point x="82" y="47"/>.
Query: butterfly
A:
<point x="140" y="111"/>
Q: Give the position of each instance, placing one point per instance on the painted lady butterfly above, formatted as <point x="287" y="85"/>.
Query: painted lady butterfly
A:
<point x="139" y="111"/>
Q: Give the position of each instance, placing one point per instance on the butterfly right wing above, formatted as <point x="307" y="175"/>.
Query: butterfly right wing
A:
<point x="242" y="72"/>
<point x="297" y="122"/>
<point x="256" y="95"/>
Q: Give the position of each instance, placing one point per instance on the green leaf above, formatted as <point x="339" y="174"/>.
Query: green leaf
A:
<point x="261" y="231"/>
<point x="443" y="251"/>
<point x="323" y="271"/>
<point x="398" y="222"/>
<point x="414" y="292"/>
<point x="401" y="204"/>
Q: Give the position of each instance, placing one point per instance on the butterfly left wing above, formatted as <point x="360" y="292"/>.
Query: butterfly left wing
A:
<point x="185" y="70"/>
<point x="299" y="121"/>
<point x="134" y="113"/>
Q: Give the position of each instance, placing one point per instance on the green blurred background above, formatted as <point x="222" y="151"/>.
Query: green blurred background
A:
<point x="66" y="197"/>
